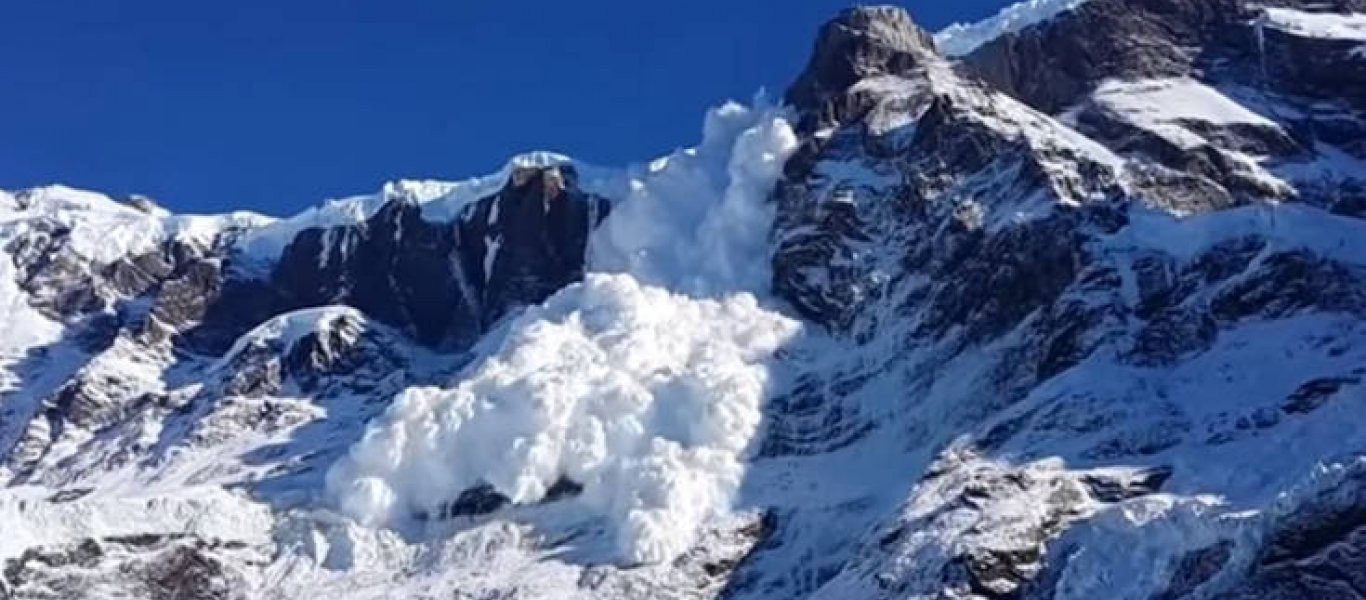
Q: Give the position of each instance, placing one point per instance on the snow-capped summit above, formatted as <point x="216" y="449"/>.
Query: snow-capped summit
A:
<point x="1069" y="304"/>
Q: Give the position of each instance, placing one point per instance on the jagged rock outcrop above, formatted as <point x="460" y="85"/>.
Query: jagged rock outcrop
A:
<point x="441" y="283"/>
<point x="149" y="566"/>
<point x="1114" y="67"/>
<point x="446" y="283"/>
<point x="1051" y="66"/>
<point x="998" y="257"/>
<point x="860" y="43"/>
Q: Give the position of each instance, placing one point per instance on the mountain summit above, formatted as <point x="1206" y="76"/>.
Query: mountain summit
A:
<point x="1073" y="309"/>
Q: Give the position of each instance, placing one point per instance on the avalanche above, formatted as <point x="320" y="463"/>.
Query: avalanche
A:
<point x="699" y="220"/>
<point x="646" y="398"/>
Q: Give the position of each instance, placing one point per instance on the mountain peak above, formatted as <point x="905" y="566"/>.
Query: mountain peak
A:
<point x="889" y="24"/>
<point x="861" y="42"/>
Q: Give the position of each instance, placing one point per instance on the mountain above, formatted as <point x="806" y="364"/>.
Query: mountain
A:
<point x="1067" y="304"/>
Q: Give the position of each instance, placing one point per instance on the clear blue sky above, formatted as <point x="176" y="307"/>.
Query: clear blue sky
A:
<point x="273" y="105"/>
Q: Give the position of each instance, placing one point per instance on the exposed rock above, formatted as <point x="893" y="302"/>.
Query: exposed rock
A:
<point x="1195" y="569"/>
<point x="1117" y="489"/>
<point x="1315" y="393"/>
<point x="1317" y="552"/>
<point x="446" y="283"/>
<point x="152" y="567"/>
<point x="860" y="43"/>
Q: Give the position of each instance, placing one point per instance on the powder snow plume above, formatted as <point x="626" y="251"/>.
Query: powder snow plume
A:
<point x="647" y="398"/>
<point x="698" y="221"/>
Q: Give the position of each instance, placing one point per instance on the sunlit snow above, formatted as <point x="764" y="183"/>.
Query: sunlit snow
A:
<point x="961" y="39"/>
<point x="1325" y="25"/>
<point x="647" y="398"/>
<point x="1166" y="107"/>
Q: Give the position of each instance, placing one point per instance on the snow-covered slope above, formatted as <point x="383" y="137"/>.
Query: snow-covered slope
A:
<point x="440" y="201"/>
<point x="962" y="38"/>
<point x="594" y="396"/>
<point x="1076" y="311"/>
<point x="1325" y="25"/>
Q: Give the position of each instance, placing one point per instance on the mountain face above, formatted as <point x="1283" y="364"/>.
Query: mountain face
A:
<point x="447" y="283"/>
<point x="1078" y="312"/>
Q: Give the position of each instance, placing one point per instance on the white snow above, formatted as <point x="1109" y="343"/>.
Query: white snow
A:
<point x="24" y="326"/>
<point x="1162" y="105"/>
<point x="101" y="229"/>
<point x="491" y="247"/>
<point x="104" y="230"/>
<point x="210" y="512"/>
<point x="1333" y="26"/>
<point x="647" y="398"/>
<point x="287" y="329"/>
<point x="1287" y="226"/>
<point x="646" y="384"/>
<point x="692" y="222"/>
<point x="961" y="39"/>
<point x="440" y="202"/>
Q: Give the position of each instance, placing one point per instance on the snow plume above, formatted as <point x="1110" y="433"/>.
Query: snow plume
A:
<point x="698" y="221"/>
<point x="645" y="397"/>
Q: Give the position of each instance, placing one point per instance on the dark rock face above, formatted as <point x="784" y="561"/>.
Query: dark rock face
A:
<point x="1050" y="66"/>
<point x="960" y="147"/>
<point x="443" y="284"/>
<point x="1315" y="393"/>
<point x="156" y="567"/>
<point x="393" y="267"/>
<point x="61" y="285"/>
<point x="1195" y="569"/>
<point x="862" y="42"/>
<point x="446" y="283"/>
<point x="177" y="293"/>
<point x="1313" y="88"/>
<point x="940" y="222"/>
<point x="476" y="501"/>
<point x="1316" y="553"/>
<point x="531" y="238"/>
<point x="341" y="349"/>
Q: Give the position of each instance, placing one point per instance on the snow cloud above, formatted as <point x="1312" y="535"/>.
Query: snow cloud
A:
<point x="644" y="384"/>
<point x="698" y="221"/>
